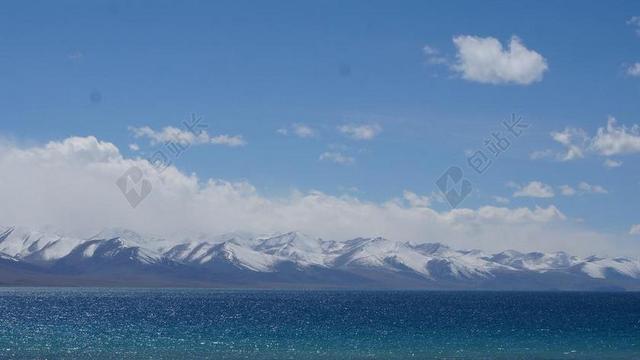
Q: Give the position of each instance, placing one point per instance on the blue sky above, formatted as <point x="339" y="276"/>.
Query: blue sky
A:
<point x="250" y="69"/>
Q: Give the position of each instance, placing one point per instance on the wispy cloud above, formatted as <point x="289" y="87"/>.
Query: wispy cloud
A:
<point x="501" y="200"/>
<point x="591" y="189"/>
<point x="538" y="189"/>
<point x="298" y="129"/>
<point x="434" y="56"/>
<point x="360" y="131"/>
<point x="185" y="137"/>
<point x="574" y="140"/>
<point x="611" y="140"/>
<point x="634" y="70"/>
<point x="567" y="190"/>
<point x="611" y="163"/>
<point x="75" y="56"/>
<point x="303" y="131"/>
<point x="635" y="22"/>
<point x="337" y="157"/>
<point x="581" y="189"/>
<point x="541" y="154"/>
<point x="534" y="189"/>
<point x="229" y="140"/>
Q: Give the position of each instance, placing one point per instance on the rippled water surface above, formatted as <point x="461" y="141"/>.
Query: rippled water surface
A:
<point x="183" y="324"/>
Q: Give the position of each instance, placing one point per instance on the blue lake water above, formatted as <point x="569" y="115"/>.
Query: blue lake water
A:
<point x="244" y="324"/>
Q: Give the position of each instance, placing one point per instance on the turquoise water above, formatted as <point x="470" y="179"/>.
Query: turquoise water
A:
<point x="184" y="324"/>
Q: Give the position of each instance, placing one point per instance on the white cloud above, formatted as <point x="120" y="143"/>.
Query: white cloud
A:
<point x="337" y="157"/>
<point x="615" y="140"/>
<point x="611" y="140"/>
<point x="573" y="140"/>
<point x="502" y="214"/>
<point x="634" y="70"/>
<point x="541" y="154"/>
<point x="501" y="200"/>
<point x="485" y="60"/>
<point x="235" y="140"/>
<point x="134" y="147"/>
<point x="611" y="163"/>
<point x="535" y="189"/>
<point x="169" y="134"/>
<point x="581" y="189"/>
<point x="303" y="131"/>
<point x="592" y="189"/>
<point x="434" y="56"/>
<point x="70" y="184"/>
<point x="567" y="190"/>
<point x="185" y="137"/>
<point x="635" y="229"/>
<point x="361" y="132"/>
<point x="416" y="200"/>
<point x="298" y="129"/>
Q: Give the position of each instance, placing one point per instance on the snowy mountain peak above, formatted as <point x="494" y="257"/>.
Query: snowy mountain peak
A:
<point x="294" y="246"/>
<point x="131" y="238"/>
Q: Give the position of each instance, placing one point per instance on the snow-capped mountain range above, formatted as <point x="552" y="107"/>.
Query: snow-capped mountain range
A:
<point x="121" y="257"/>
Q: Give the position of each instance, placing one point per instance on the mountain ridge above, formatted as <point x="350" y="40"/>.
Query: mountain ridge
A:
<point x="122" y="257"/>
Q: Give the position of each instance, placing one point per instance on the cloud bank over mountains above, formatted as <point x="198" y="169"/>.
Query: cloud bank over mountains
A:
<point x="71" y="184"/>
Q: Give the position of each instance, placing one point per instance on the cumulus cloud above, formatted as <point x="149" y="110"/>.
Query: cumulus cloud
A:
<point x="337" y="157"/>
<point x="185" y="137"/>
<point x="613" y="139"/>
<point x="71" y="184"/>
<point x="534" y="189"/>
<point x="616" y="140"/>
<point x="361" y="132"/>
<point x="485" y="60"/>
